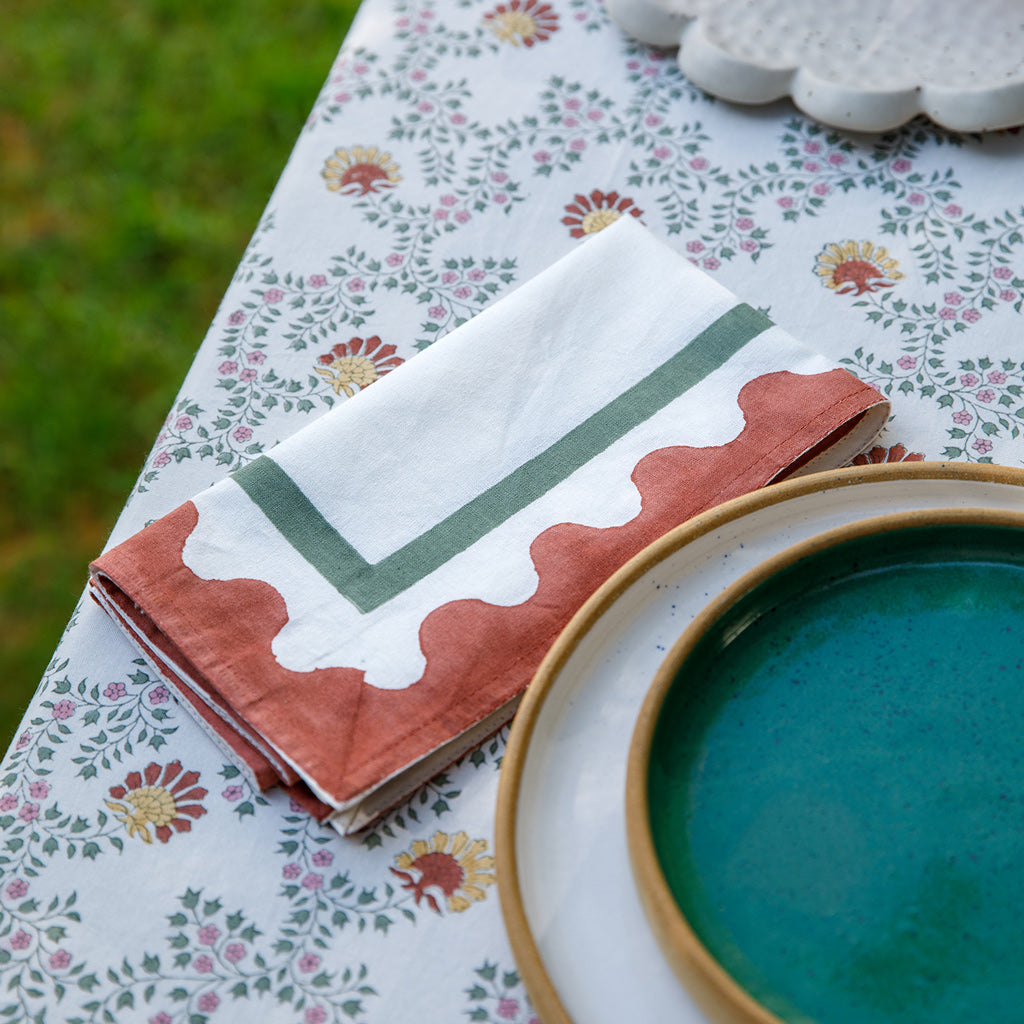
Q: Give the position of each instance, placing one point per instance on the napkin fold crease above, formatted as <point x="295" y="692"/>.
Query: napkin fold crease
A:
<point x="366" y="602"/>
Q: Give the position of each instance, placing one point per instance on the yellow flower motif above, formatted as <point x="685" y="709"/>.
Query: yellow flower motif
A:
<point x="523" y="22"/>
<point x="856" y="267"/>
<point x="149" y="799"/>
<point x="452" y="864"/>
<point x="356" y="364"/>
<point x="360" y="170"/>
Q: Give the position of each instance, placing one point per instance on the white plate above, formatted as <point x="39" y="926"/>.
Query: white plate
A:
<point x="578" y="931"/>
<point x="866" y="66"/>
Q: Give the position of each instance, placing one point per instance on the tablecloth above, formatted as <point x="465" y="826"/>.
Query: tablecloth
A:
<point x="456" y="149"/>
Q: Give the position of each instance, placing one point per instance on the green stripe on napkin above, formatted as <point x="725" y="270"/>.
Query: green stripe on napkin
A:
<point x="369" y="586"/>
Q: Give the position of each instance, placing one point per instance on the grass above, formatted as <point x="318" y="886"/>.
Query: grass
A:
<point x="139" y="142"/>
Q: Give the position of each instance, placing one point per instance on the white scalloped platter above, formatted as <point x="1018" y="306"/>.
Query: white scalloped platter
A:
<point x="864" y="65"/>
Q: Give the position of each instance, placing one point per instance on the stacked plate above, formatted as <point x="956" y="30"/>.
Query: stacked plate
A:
<point x="772" y="771"/>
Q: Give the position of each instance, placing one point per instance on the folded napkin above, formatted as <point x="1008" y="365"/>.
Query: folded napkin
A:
<point x="354" y="610"/>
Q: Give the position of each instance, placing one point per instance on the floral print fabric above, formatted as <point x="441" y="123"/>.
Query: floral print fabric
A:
<point x="456" y="150"/>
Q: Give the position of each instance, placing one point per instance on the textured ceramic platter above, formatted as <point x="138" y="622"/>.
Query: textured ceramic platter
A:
<point x="824" y="791"/>
<point x="865" y="66"/>
<point x="577" y="927"/>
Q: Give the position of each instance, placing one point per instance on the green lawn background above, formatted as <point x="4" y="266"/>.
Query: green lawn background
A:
<point x="139" y="143"/>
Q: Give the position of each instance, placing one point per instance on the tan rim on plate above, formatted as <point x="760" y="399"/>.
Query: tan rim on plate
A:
<point x="711" y="986"/>
<point x="542" y="991"/>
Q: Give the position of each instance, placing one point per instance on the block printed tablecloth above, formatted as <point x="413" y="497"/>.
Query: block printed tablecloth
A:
<point x="455" y="151"/>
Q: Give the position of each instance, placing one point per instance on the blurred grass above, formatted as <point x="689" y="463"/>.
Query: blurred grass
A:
<point x="139" y="142"/>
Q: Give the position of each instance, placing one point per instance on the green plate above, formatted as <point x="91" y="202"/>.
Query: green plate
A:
<point x="835" y="780"/>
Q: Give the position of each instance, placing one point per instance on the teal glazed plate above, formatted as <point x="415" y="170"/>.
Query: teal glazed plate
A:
<point x="825" y="789"/>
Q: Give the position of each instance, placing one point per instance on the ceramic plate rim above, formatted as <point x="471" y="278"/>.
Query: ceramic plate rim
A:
<point x="542" y="990"/>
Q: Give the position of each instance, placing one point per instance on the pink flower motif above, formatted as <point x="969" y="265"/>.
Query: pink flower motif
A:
<point x="906" y="362"/>
<point x="202" y="964"/>
<point x="595" y="115"/>
<point x="313" y="881"/>
<point x="360" y="68"/>
<point x="969" y="380"/>
<point x="24" y="740"/>
<point x="744" y="223"/>
<point x="652" y="120"/>
<point x="836" y="159"/>
<point x="21" y="940"/>
<point x="749" y="245"/>
<point x="273" y="295"/>
<point x="577" y="145"/>
<point x="227" y="367"/>
<point x="572" y="103"/>
<point x="982" y="445"/>
<point x="650" y="71"/>
<point x="394" y="259"/>
<point x="1007" y="296"/>
<point x="997" y="377"/>
<point x="662" y="152"/>
<point x="947" y="313"/>
<point x="952" y="210"/>
<point x="962" y="417"/>
<point x="247" y="375"/>
<point x="954" y="298"/>
<point x="812" y="147"/>
<point x="811" y="166"/>
<point x="161" y="460"/>
<point x="238" y="317"/>
<point x="507" y="1008"/>
<point x="234" y="952"/>
<point x="59" y="958"/>
<point x="161" y="1018"/>
<point x="462" y="216"/>
<point x="436" y="312"/>
<point x="1003" y="273"/>
<point x="476" y="275"/>
<point x="308" y="962"/>
<point x="208" y="1002"/>
<point x="694" y="246"/>
<point x="449" y="277"/>
<point x="463" y="292"/>
<point x="114" y="691"/>
<point x="291" y="871"/>
<point x="499" y="177"/>
<point x="901" y="166"/>
<point x="418" y="75"/>
<point x="457" y="118"/>
<point x="440" y="214"/>
<point x="233" y="793"/>
<point x="39" y="790"/>
<point x="819" y="188"/>
<point x="256" y="357"/>
<point x="500" y="198"/>
<point x="63" y="709"/>
<point x="341" y="97"/>
<point x="17" y="888"/>
<point x="542" y="156"/>
<point x="317" y="281"/>
<point x="915" y="198"/>
<point x="8" y="802"/>
<point x="357" y="284"/>
<point x="785" y="202"/>
<point x="322" y="858"/>
<point x="183" y="423"/>
<point x="986" y="395"/>
<point x="972" y="316"/>
<point x="159" y="695"/>
<point x="698" y="163"/>
<point x="315" y="1015"/>
<point x="448" y="200"/>
<point x="209" y="934"/>
<point x="711" y="263"/>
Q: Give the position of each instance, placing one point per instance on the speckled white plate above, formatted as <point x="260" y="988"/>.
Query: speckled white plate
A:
<point x="867" y="66"/>
<point x="577" y="928"/>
